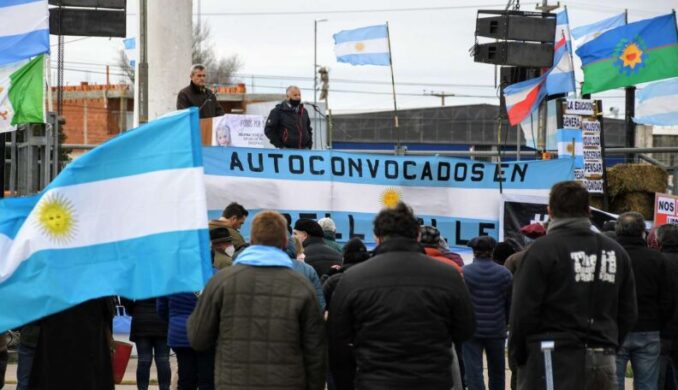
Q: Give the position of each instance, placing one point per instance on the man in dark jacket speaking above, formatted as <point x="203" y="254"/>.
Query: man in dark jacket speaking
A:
<point x="393" y="318"/>
<point x="198" y="95"/>
<point x="288" y="125"/>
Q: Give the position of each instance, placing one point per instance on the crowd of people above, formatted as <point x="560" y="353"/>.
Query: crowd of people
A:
<point x="294" y="309"/>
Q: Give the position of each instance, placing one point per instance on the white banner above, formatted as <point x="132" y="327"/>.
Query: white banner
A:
<point x="240" y="130"/>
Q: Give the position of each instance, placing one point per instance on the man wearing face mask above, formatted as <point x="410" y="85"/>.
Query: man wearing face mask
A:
<point x="198" y="95"/>
<point x="288" y="125"/>
<point x="222" y="247"/>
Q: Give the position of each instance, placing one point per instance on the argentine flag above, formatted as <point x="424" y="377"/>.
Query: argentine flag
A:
<point x="128" y="218"/>
<point x="570" y="145"/>
<point x="130" y="45"/>
<point x="363" y="46"/>
<point x="584" y="34"/>
<point x="658" y="104"/>
<point x="24" y="29"/>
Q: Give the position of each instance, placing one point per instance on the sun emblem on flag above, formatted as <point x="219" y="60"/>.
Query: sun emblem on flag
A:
<point x="630" y="55"/>
<point x="390" y="197"/>
<point x="56" y="218"/>
<point x="359" y="46"/>
<point x="569" y="148"/>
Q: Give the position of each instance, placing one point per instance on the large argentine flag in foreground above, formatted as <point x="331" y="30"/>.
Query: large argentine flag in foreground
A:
<point x="363" y="46"/>
<point x="128" y="218"/>
<point x="24" y="29"/>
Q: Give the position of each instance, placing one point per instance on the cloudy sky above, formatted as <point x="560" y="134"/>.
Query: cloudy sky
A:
<point x="275" y="42"/>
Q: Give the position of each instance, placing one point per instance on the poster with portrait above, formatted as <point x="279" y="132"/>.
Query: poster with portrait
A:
<point x="240" y="130"/>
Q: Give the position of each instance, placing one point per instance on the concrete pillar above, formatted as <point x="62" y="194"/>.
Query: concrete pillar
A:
<point x="169" y="39"/>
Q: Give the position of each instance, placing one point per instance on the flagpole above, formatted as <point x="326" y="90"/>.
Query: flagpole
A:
<point x="50" y="103"/>
<point x="569" y="50"/>
<point x="395" y="105"/>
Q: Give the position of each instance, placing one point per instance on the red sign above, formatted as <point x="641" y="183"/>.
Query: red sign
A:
<point x="665" y="209"/>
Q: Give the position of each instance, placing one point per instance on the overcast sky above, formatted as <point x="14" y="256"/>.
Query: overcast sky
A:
<point x="430" y="44"/>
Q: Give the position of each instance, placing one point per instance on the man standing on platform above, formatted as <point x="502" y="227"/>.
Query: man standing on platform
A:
<point x="198" y="95"/>
<point x="288" y="125"/>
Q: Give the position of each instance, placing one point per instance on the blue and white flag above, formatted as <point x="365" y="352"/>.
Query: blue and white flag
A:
<point x="130" y="50"/>
<point x="461" y="197"/>
<point x="24" y="29"/>
<point x="584" y="34"/>
<point x="128" y="218"/>
<point x="363" y="46"/>
<point x="658" y="104"/>
<point x="570" y="145"/>
<point x="561" y="76"/>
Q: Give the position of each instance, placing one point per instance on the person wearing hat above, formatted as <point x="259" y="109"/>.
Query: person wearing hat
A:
<point x="318" y="255"/>
<point x="531" y="231"/>
<point x="430" y="240"/>
<point x="222" y="247"/>
<point x="490" y="287"/>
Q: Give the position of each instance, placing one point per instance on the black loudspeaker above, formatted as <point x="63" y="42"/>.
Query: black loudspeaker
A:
<point x="535" y="55"/>
<point x="510" y="75"/>
<point x="87" y="22"/>
<point x="516" y="27"/>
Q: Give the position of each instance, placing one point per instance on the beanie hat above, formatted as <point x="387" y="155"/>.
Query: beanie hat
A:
<point x="429" y="236"/>
<point x="309" y="226"/>
<point x="533" y="230"/>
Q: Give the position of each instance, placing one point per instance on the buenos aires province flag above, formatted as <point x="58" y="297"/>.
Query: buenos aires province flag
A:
<point x="128" y="218"/>
<point x="363" y="46"/>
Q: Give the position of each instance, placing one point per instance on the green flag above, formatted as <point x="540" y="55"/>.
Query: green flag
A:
<point x="22" y="93"/>
<point x="635" y="53"/>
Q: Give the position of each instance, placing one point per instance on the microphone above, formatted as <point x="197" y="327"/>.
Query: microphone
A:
<point x="209" y="97"/>
<point x="310" y="104"/>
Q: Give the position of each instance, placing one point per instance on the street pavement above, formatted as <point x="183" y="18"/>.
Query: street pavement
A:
<point x="129" y="380"/>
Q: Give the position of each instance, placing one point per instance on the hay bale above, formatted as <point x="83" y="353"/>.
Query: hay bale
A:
<point x="642" y="202"/>
<point x="597" y="201"/>
<point x="628" y="178"/>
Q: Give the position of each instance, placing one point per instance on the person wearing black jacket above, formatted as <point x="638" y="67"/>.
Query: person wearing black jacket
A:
<point x="667" y="238"/>
<point x="392" y="319"/>
<point x="317" y="253"/>
<point x="574" y="287"/>
<point x="149" y="333"/>
<point x="288" y="125"/>
<point x="642" y="346"/>
<point x="198" y="95"/>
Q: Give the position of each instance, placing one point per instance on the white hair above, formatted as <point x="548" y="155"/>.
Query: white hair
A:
<point x="327" y="224"/>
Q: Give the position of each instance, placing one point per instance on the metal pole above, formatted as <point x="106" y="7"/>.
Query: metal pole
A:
<point x="315" y="75"/>
<point x="599" y="116"/>
<point x="143" y="62"/>
<point x="395" y="105"/>
<point x="315" y="61"/>
<point x="628" y="118"/>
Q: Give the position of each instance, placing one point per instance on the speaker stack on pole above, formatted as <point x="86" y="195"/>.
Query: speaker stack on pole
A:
<point x="523" y="44"/>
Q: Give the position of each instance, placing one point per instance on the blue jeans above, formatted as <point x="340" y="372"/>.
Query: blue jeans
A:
<point x="146" y="348"/>
<point x="642" y="348"/>
<point x="473" y="363"/>
<point x="25" y="355"/>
